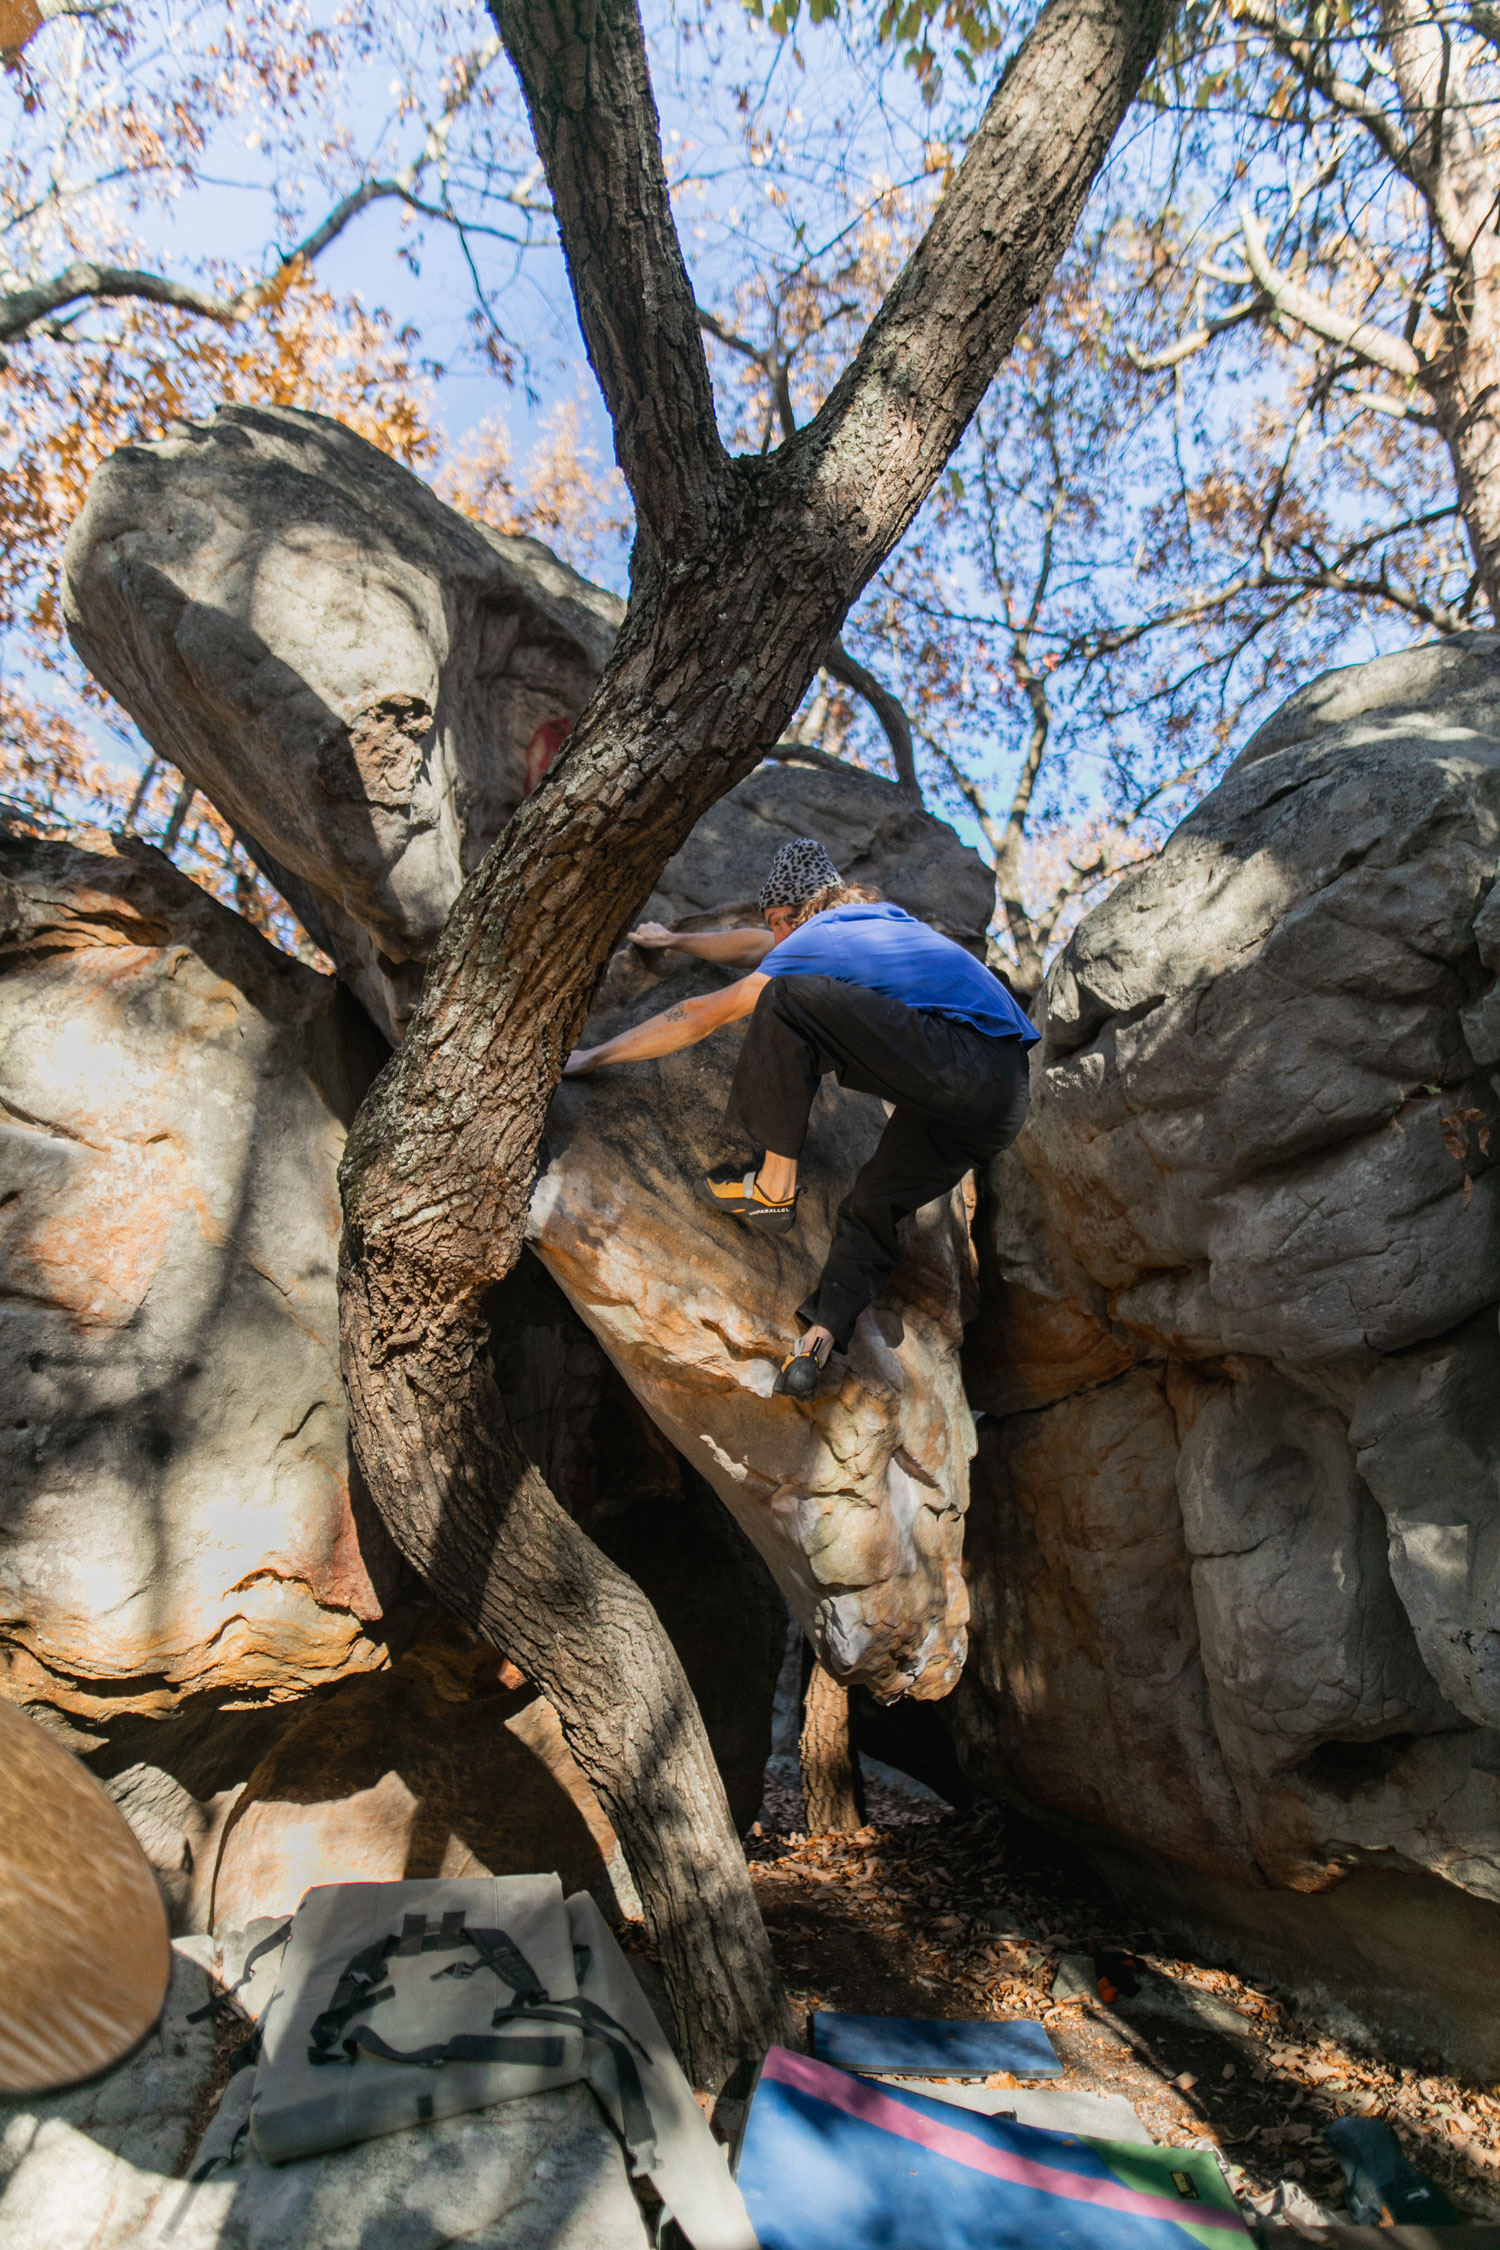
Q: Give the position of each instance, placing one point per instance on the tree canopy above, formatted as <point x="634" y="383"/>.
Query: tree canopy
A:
<point x="1250" y="432"/>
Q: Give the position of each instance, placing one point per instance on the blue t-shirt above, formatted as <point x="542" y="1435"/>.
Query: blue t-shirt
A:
<point x="887" y="950"/>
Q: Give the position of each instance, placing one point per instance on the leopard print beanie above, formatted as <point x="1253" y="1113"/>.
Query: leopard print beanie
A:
<point x="799" y="871"/>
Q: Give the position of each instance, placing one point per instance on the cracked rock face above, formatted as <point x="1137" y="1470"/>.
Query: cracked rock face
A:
<point x="364" y="681"/>
<point x="1239" y="1333"/>
<point x="177" y="1520"/>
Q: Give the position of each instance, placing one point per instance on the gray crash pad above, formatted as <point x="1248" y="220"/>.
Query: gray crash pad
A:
<point x="1096" y="2117"/>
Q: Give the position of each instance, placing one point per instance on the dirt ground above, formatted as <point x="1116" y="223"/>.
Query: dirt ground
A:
<point x="950" y="1916"/>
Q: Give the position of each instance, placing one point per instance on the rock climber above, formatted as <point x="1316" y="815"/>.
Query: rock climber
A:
<point x="840" y="980"/>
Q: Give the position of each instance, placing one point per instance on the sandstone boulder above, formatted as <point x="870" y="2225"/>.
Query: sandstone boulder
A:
<point x="856" y="1500"/>
<point x="179" y="1528"/>
<point x="353" y="672"/>
<point x="310" y="635"/>
<point x="871" y="833"/>
<point x="1237" y="1510"/>
<point x="434" y="1767"/>
<point x="184" y="1556"/>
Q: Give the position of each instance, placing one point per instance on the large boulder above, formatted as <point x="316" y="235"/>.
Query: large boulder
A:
<point x="1237" y="1510"/>
<point x="193" y="1590"/>
<point x="435" y="1767"/>
<point x="364" y="681"/>
<point x="324" y="648"/>
<point x="179" y="1529"/>
<point x="872" y="834"/>
<point x="857" y="1500"/>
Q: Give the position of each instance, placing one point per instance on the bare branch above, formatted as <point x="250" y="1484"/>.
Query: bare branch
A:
<point x="1151" y="363"/>
<point x="771" y="364"/>
<point x="33" y="307"/>
<point x="888" y="709"/>
<point x="1341" y="93"/>
<point x="1364" y="338"/>
<point x="1399" y="409"/>
<point x="23" y="309"/>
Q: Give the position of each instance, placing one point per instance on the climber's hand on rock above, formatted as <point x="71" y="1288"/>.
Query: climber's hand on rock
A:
<point x="581" y="1062"/>
<point x="653" y="934"/>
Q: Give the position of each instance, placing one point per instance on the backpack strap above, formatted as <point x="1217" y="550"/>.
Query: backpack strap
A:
<point x="500" y="1952"/>
<point x="359" y="1987"/>
<point x="464" y="2047"/>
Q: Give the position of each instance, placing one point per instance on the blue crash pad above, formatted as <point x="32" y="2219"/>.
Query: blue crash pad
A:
<point x="831" y="2162"/>
<point x="914" y="2048"/>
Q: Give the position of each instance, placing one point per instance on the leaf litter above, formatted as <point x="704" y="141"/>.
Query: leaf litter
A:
<point x="948" y="1914"/>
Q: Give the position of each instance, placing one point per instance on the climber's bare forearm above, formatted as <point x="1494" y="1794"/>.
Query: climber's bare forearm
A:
<point x="735" y="949"/>
<point x="732" y="949"/>
<point x="673" y="1029"/>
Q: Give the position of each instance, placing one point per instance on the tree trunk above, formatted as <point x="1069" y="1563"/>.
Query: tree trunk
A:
<point x="742" y="573"/>
<point x="827" y="1755"/>
<point x="490" y="1536"/>
<point x="1464" y="385"/>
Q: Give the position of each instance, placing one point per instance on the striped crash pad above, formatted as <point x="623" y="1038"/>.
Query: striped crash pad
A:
<point x="830" y="2162"/>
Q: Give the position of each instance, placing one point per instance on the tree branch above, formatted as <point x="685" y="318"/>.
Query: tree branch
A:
<point x="24" y="310"/>
<point x="775" y="369"/>
<point x="1373" y="402"/>
<point x="888" y="709"/>
<point x="1340" y="93"/>
<point x="1152" y="363"/>
<point x="869" y="456"/>
<point x="582" y="67"/>
<point x="1369" y="342"/>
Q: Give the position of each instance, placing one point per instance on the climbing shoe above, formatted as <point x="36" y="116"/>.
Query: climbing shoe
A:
<point x="799" y="1377"/>
<point x="736" y="1192"/>
<point x="800" y="1374"/>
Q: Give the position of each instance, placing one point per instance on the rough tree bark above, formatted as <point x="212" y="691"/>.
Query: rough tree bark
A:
<point x="826" y="1756"/>
<point x="743" y="570"/>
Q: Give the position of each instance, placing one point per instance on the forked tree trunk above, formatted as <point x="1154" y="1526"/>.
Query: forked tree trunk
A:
<point x="743" y="571"/>
<point x="827" y="1757"/>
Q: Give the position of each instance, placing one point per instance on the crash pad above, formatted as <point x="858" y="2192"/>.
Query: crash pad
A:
<point x="914" y="2047"/>
<point x="1096" y="2117"/>
<point x="831" y="2162"/>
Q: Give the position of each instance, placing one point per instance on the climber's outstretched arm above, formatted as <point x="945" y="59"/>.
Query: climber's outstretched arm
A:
<point x="682" y="1026"/>
<point x="735" y="949"/>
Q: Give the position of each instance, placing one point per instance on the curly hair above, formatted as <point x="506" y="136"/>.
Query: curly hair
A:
<point x="835" y="894"/>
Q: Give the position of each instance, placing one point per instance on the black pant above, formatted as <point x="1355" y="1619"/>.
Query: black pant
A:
<point x="960" y="1098"/>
